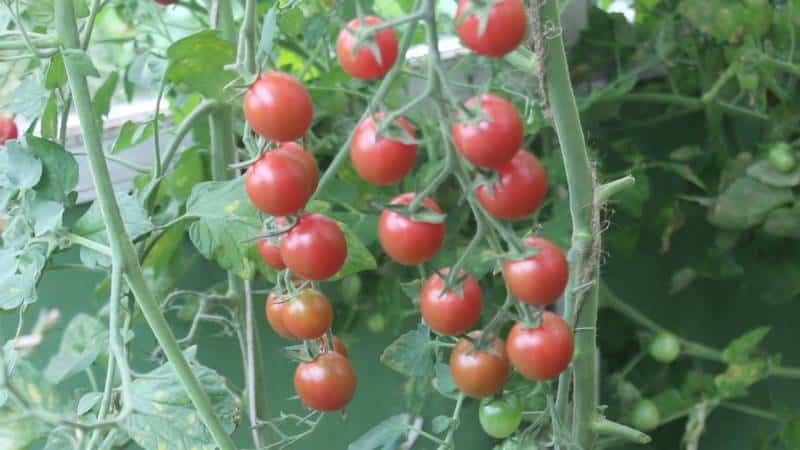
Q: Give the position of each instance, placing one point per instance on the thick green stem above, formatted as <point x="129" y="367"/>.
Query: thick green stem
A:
<point x="121" y="244"/>
<point x="578" y="303"/>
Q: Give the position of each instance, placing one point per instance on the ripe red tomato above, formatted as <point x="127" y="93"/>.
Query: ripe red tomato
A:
<point x="542" y="352"/>
<point x="519" y="190"/>
<point x="448" y="312"/>
<point x="381" y="160"/>
<point x="326" y="383"/>
<point x="278" y="107"/>
<point x="505" y="28"/>
<point x="8" y="129"/>
<point x="271" y="254"/>
<point x="494" y="141"/>
<point x="408" y="241"/>
<point x="308" y="160"/>
<point x="166" y="2"/>
<point x="274" y="309"/>
<point x="479" y="373"/>
<point x="308" y="315"/>
<point x="279" y="183"/>
<point x="315" y="248"/>
<point x="539" y="279"/>
<point x="362" y="63"/>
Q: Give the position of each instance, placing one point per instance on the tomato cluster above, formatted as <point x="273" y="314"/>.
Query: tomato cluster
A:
<point x="8" y="129"/>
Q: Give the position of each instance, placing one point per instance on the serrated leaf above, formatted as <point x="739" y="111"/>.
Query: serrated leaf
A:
<point x="440" y="424"/>
<point x="132" y="134"/>
<point x="164" y="416"/>
<point x="79" y="62"/>
<point x="190" y="66"/>
<point x="411" y="354"/>
<point x="742" y="348"/>
<point x="746" y="202"/>
<point x="764" y="172"/>
<point x="84" y="340"/>
<point x="87" y="402"/>
<point x="384" y="435"/>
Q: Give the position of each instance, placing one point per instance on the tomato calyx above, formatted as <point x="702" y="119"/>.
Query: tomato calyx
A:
<point x="417" y="213"/>
<point x="477" y="8"/>
<point x="388" y="127"/>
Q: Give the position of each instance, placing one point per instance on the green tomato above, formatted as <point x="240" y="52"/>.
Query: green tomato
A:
<point x="376" y="323"/>
<point x="781" y="157"/>
<point x="665" y="348"/>
<point x="748" y="81"/>
<point x="350" y="287"/>
<point x="645" y="415"/>
<point x="500" y="417"/>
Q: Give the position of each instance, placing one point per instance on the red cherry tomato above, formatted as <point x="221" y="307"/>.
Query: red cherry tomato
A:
<point x="338" y="345"/>
<point x="315" y="249"/>
<point x="505" y="28"/>
<point x="381" y="160"/>
<point x="541" y="278"/>
<point x="279" y="183"/>
<point x="362" y="63"/>
<point x="447" y="312"/>
<point x="519" y="191"/>
<point x="479" y="373"/>
<point x="278" y="107"/>
<point x="408" y="241"/>
<point x="166" y="2"/>
<point x="274" y="309"/>
<point x="308" y="160"/>
<point x="542" y="352"/>
<point x="494" y="141"/>
<point x="327" y="383"/>
<point x="308" y="315"/>
<point x="271" y="254"/>
<point x="8" y="129"/>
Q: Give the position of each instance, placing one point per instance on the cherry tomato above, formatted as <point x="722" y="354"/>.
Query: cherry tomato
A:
<point x="8" y="129"/>
<point x="542" y="352"/>
<point x="479" y="373"/>
<point x="504" y="31"/>
<point x="166" y="2"/>
<point x="448" y="312"/>
<point x="271" y="254"/>
<point x="519" y="190"/>
<point x="665" y="347"/>
<point x="315" y="248"/>
<point x="500" y="417"/>
<point x="539" y="279"/>
<point x="308" y="160"/>
<point x="362" y="63"/>
<point x="274" y="308"/>
<point x="381" y="160"/>
<point x="278" y="107"/>
<point x="350" y="287"/>
<point x="645" y="415"/>
<point x="780" y="156"/>
<point x="492" y="141"/>
<point x="308" y="315"/>
<point x="279" y="183"/>
<point x="408" y="241"/>
<point x="326" y="383"/>
<point x="338" y="345"/>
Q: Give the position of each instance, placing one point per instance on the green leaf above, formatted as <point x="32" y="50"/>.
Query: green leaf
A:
<point x="59" y="169"/>
<point x="49" y="119"/>
<point x="746" y="203"/>
<point x="87" y="402"/>
<point x="440" y="424"/>
<point x="20" y="274"/>
<point x="681" y="279"/>
<point x="443" y="381"/>
<point x="227" y="220"/>
<point x="29" y="99"/>
<point x="790" y="433"/>
<point x="56" y="76"/>
<point x="783" y="222"/>
<point x="164" y="416"/>
<point x="132" y="134"/>
<point x="62" y="438"/>
<point x="79" y="62"/>
<point x="46" y="216"/>
<point x="84" y="340"/>
<point x="764" y="172"/>
<point x="197" y="63"/>
<point x="23" y="169"/>
<point x="742" y="348"/>
<point x="384" y="435"/>
<point x="103" y="95"/>
<point x="411" y="354"/>
<point x="268" y="31"/>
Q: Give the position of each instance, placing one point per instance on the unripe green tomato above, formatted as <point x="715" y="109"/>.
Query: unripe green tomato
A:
<point x="781" y="157"/>
<point x="665" y="348"/>
<point x="645" y="415"/>
<point x="350" y="287"/>
<point x="748" y="81"/>
<point x="500" y="417"/>
<point x="376" y="323"/>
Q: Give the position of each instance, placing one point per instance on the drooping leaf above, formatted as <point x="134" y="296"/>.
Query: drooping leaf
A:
<point x="84" y="340"/>
<point x="384" y="435"/>
<point x="131" y="135"/>
<point x="411" y="354"/>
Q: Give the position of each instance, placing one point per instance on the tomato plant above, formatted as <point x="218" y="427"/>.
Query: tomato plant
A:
<point x="500" y="30"/>
<point x="380" y="159"/>
<point x="280" y="182"/>
<point x="495" y="138"/>
<point x="541" y="352"/>
<point x="519" y="190"/>
<point x="278" y="107"/>
<point x="479" y="372"/>
<point x="327" y="383"/>
<point x="366" y="60"/>
<point x="450" y="311"/>
<point x="500" y="417"/>
<point x="539" y="279"/>
<point x="315" y="248"/>
<point x="406" y="240"/>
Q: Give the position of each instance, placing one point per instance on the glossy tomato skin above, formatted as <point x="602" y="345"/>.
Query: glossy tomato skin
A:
<point x="306" y="158"/>
<point x="271" y="254"/>
<point x="519" y="191"/>
<point x="308" y="315"/>
<point x="493" y="141"/>
<point x="279" y="184"/>
<point x="315" y="248"/>
<point x="408" y="241"/>
<point x="278" y="107"/>
<point x="274" y="310"/>
<point x="500" y="418"/>
<point x="448" y="312"/>
<point x="327" y="383"/>
<point x="8" y="129"/>
<point x="543" y="352"/>
<point x="479" y="373"/>
<point x="381" y="160"/>
<point x="539" y="279"/>
<point x="363" y="64"/>
<point x="505" y="29"/>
